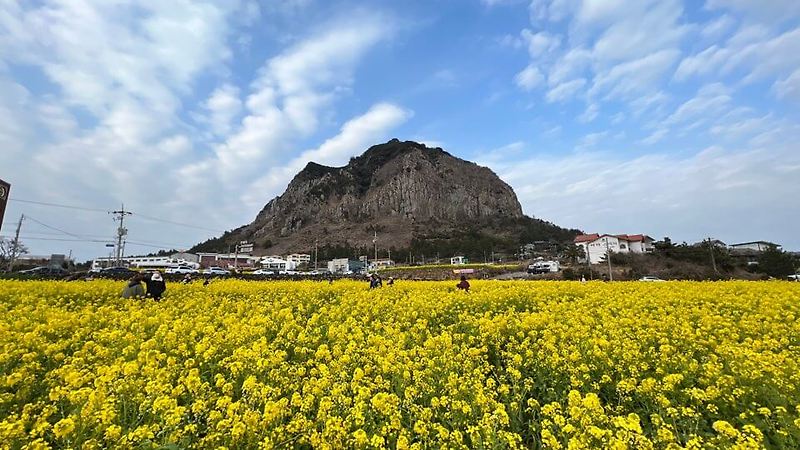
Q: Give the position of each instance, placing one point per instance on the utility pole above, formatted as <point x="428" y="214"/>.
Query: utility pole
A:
<point x="316" y="253"/>
<point x="375" y="243"/>
<point x="121" y="233"/>
<point x="608" y="260"/>
<point x="589" y="261"/>
<point x="713" y="260"/>
<point x="15" y="244"/>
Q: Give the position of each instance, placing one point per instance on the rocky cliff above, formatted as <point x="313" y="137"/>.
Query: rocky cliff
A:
<point x="405" y="192"/>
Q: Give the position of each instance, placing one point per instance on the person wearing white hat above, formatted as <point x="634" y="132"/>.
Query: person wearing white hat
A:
<point x="155" y="285"/>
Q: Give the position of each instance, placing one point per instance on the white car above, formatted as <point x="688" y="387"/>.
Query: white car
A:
<point x="181" y="270"/>
<point x="795" y="277"/>
<point x="216" y="271"/>
<point x="263" y="272"/>
<point x="652" y="279"/>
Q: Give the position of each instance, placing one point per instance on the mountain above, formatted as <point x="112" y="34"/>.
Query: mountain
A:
<point x="410" y="195"/>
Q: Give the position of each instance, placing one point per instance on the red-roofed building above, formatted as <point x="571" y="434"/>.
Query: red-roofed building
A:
<point x="596" y="245"/>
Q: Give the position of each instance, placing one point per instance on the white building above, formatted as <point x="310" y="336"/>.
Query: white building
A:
<point x="338" y="265"/>
<point x="147" y="262"/>
<point x="345" y="265"/>
<point x="298" y="258"/>
<point x="273" y="263"/>
<point x="458" y="260"/>
<point x="595" y="246"/>
<point x="756" y="246"/>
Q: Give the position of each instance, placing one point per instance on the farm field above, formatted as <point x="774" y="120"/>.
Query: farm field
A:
<point x="282" y="364"/>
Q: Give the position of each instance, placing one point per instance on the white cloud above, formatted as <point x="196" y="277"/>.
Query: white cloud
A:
<point x="540" y="43"/>
<point x="529" y="78"/>
<point x="718" y="27"/>
<point x="223" y="106"/>
<point x="591" y="112"/>
<point x="789" y="88"/>
<point x="625" y="49"/>
<point x="123" y="123"/>
<point x="592" y="139"/>
<point x="655" y="136"/>
<point x="713" y="192"/>
<point x="565" y="91"/>
<point x="293" y="90"/>
<point x="710" y="101"/>
<point x="751" y="49"/>
<point x="355" y="136"/>
<point x="636" y="77"/>
<point x="768" y="11"/>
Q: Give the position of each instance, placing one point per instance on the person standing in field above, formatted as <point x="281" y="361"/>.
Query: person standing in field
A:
<point x="375" y="281"/>
<point x="134" y="288"/>
<point x="464" y="284"/>
<point x="155" y="286"/>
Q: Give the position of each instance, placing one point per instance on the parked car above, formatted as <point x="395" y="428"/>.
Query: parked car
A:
<point x="216" y="271"/>
<point x="118" y="272"/>
<point x="44" y="270"/>
<point x="795" y="277"/>
<point x="182" y="270"/>
<point x="262" y="272"/>
<point x="650" y="278"/>
<point x="543" y="267"/>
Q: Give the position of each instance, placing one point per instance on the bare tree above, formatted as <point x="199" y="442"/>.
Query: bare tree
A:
<point x="9" y="251"/>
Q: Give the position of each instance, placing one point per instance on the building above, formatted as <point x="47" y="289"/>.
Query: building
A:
<point x="227" y="260"/>
<point x="298" y="258"/>
<point x="149" y="262"/>
<point x="458" y="260"/>
<point x="55" y="260"/>
<point x="380" y="263"/>
<point x="345" y="265"/>
<point x="188" y="257"/>
<point x="595" y="245"/>
<point x="755" y="246"/>
<point x="279" y="264"/>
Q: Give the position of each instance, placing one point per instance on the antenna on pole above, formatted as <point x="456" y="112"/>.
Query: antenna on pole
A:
<point x="119" y="215"/>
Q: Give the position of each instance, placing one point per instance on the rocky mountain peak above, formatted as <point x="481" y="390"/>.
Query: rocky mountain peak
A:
<point x="405" y="190"/>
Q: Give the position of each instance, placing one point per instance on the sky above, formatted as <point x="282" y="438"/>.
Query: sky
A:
<point x="664" y="117"/>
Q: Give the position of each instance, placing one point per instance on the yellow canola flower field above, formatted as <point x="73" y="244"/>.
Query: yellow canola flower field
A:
<point x="417" y="365"/>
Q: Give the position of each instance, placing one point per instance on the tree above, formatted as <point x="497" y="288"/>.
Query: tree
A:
<point x="776" y="263"/>
<point x="574" y="253"/>
<point x="10" y="251"/>
<point x="665" y="244"/>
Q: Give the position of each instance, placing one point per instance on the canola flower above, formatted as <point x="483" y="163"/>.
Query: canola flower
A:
<point x="258" y="365"/>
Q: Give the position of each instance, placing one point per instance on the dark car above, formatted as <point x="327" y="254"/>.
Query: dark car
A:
<point x="118" y="272"/>
<point x="45" y="271"/>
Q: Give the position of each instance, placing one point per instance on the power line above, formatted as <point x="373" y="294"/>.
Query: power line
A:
<point x="47" y="233"/>
<point x="57" y="205"/>
<point x="29" y="238"/>
<point x="143" y="216"/>
<point x="54" y="228"/>
<point x="176" y="223"/>
<point x="109" y="240"/>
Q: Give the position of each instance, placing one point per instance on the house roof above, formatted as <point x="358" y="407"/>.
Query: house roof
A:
<point x="754" y="242"/>
<point x="625" y="237"/>
<point x="634" y="237"/>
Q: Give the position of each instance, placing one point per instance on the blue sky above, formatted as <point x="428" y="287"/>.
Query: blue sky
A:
<point x="662" y="117"/>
